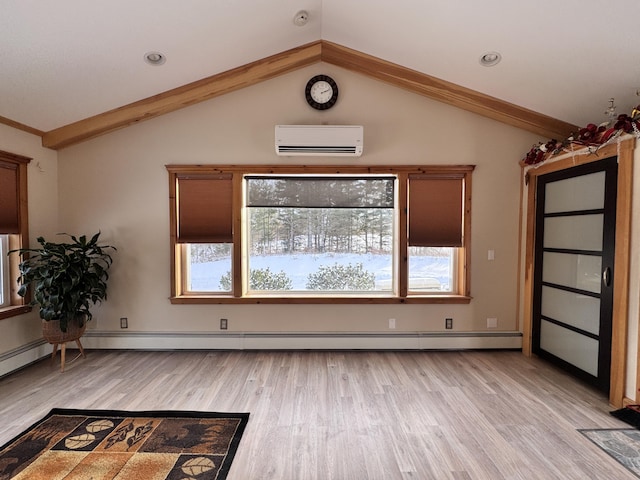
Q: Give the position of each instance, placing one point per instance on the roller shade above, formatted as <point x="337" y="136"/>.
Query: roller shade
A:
<point x="320" y="192"/>
<point x="204" y="209"/>
<point x="9" y="198"/>
<point x="435" y="211"/>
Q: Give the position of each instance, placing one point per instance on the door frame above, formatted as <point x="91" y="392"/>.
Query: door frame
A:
<point x="624" y="150"/>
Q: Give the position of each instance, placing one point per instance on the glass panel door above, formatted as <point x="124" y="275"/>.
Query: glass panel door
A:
<point x="575" y="234"/>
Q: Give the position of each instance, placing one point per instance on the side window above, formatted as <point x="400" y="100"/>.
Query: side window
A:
<point x="436" y="231"/>
<point x="13" y="227"/>
<point x="204" y="231"/>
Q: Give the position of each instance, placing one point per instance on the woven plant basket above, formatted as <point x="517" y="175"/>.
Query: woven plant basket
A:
<point x="52" y="333"/>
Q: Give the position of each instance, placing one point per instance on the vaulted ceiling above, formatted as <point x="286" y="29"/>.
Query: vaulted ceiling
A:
<point x="73" y="69"/>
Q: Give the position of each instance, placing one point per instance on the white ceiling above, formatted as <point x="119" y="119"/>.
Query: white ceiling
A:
<point x="66" y="60"/>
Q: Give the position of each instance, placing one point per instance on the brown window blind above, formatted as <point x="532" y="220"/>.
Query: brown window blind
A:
<point x="205" y="208"/>
<point x="435" y="211"/>
<point x="319" y="192"/>
<point x="9" y="198"/>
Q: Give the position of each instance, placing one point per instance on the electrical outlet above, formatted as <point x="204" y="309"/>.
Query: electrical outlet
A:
<point x="223" y="323"/>
<point x="448" y="323"/>
<point x="124" y="322"/>
<point x="392" y="323"/>
<point x="492" y="322"/>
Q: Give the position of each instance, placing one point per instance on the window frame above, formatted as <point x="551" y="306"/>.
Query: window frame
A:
<point x="461" y="294"/>
<point x="17" y="305"/>
<point x="5" y="293"/>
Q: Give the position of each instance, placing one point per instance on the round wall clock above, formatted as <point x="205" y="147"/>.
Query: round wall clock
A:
<point x="321" y="92"/>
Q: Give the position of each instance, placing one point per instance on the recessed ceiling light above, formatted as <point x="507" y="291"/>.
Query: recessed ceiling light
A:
<point x="154" y="58"/>
<point x="490" y="59"/>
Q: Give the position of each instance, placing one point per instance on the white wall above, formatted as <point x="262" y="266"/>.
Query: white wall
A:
<point x="117" y="183"/>
<point x="42" y="178"/>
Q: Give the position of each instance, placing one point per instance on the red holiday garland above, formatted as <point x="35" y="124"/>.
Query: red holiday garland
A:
<point x="591" y="135"/>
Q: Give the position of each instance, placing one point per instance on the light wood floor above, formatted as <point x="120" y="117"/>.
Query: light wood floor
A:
<point x="348" y="415"/>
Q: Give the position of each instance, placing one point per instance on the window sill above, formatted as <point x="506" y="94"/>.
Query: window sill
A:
<point x="215" y="299"/>
<point x="13" y="311"/>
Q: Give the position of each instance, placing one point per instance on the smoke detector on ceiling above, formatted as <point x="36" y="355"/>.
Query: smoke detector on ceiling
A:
<point x="301" y="18"/>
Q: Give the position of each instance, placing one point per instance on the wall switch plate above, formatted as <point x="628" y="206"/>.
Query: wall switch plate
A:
<point x="392" y="323"/>
<point x="492" y="322"/>
<point x="448" y="323"/>
<point x="491" y="255"/>
<point x="223" y="323"/>
<point x="124" y="322"/>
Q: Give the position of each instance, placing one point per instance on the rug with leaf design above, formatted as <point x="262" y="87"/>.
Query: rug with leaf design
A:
<point x="113" y="444"/>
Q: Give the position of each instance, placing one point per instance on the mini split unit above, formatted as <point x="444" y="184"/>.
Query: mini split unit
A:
<point x="319" y="140"/>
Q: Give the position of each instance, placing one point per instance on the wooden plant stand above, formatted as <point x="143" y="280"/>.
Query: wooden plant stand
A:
<point x="52" y="334"/>
<point x="63" y="351"/>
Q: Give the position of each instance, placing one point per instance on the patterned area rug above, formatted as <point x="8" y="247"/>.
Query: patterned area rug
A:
<point x="623" y="444"/>
<point x="112" y="444"/>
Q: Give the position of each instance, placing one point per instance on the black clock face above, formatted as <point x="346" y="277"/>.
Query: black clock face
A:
<point x="321" y="92"/>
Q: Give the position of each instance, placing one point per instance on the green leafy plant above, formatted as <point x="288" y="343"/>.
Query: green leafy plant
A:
<point x="341" y="277"/>
<point x="261" y="279"/>
<point x="66" y="278"/>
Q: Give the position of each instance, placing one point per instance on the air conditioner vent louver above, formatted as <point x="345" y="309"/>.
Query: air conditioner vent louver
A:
<point x="319" y="140"/>
<point x="316" y="148"/>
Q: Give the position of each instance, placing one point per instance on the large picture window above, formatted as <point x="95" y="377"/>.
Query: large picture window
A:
<point x="309" y="234"/>
<point x="336" y="232"/>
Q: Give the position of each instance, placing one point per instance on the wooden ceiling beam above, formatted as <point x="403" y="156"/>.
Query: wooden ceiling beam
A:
<point x="21" y="126"/>
<point x="294" y="59"/>
<point x="445" y="92"/>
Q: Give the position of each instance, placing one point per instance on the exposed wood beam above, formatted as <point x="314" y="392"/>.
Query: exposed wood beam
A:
<point x="184" y="96"/>
<point x="293" y="59"/>
<point x="445" y="92"/>
<point x="21" y="126"/>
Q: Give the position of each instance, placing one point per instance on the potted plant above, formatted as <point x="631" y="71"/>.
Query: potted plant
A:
<point x="67" y="279"/>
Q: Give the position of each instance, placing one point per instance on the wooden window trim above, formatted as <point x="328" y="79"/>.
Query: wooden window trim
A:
<point x="179" y="296"/>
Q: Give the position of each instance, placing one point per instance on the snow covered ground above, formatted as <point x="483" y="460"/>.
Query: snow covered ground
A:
<point x="206" y="276"/>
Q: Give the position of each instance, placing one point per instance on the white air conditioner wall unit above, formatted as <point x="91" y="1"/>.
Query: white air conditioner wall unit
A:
<point x="319" y="140"/>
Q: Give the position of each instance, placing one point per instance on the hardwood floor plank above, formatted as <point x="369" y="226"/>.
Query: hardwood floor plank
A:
<point x="349" y="415"/>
